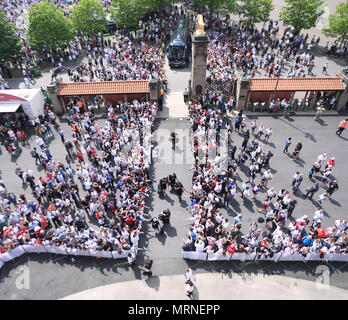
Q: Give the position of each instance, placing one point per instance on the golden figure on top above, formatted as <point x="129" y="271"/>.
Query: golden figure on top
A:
<point x="200" y="25"/>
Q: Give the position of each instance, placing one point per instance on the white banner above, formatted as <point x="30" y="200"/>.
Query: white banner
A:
<point x="337" y="257"/>
<point x="58" y="250"/>
<point x="250" y="256"/>
<point x="218" y="257"/>
<point x="315" y="257"/>
<point x="102" y="254"/>
<point x="34" y="248"/>
<point x="275" y="257"/>
<point x="77" y="252"/>
<point x="122" y="255"/>
<point x="50" y="249"/>
<point x="292" y="257"/>
<point x="193" y="255"/>
<point x="6" y="256"/>
<point x="17" y="252"/>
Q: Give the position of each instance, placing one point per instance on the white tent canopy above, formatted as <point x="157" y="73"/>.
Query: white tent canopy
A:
<point x="32" y="101"/>
<point x="9" y="107"/>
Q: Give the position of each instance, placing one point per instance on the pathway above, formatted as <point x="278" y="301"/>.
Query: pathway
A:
<point x="235" y="287"/>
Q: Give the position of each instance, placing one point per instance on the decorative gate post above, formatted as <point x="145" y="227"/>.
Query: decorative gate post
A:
<point x="200" y="42"/>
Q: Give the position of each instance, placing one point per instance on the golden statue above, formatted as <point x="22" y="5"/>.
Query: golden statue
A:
<point x="200" y="25"/>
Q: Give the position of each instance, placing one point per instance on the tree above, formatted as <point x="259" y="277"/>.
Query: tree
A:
<point x="337" y="26"/>
<point x="302" y="14"/>
<point x="9" y="42"/>
<point x="157" y="5"/>
<point x="89" y="17"/>
<point x="255" y="11"/>
<point x="214" y="5"/>
<point x="128" y="13"/>
<point x="48" y="27"/>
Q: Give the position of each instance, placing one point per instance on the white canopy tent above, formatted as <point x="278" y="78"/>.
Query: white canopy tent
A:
<point x="31" y="100"/>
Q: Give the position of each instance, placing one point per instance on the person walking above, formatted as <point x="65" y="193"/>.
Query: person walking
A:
<point x="325" y="68"/>
<point x="147" y="268"/>
<point x="188" y="275"/>
<point x="185" y="95"/>
<point x="60" y="131"/>
<point x="312" y="190"/>
<point x="287" y="144"/>
<point x="189" y="288"/>
<point x="332" y="187"/>
<point x="35" y="155"/>
<point x="320" y="111"/>
<point x="342" y="126"/>
<point x="297" y="150"/>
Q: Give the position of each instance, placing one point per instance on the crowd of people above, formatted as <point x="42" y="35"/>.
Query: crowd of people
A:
<point x="215" y="186"/>
<point x="110" y="163"/>
<point x="254" y="52"/>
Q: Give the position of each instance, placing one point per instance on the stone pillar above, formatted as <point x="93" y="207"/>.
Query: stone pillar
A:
<point x="242" y="89"/>
<point x="154" y="90"/>
<point x="199" y="64"/>
<point x="53" y="91"/>
<point x="342" y="101"/>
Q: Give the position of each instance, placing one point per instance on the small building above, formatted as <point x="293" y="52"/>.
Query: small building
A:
<point x="266" y="89"/>
<point x="112" y="92"/>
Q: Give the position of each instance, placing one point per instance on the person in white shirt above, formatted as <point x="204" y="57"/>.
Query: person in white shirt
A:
<point x="188" y="275"/>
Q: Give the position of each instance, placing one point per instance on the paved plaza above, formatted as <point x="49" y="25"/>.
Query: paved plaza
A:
<point x="63" y="277"/>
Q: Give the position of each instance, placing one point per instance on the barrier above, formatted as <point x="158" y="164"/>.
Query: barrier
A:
<point x="275" y="257"/>
<point x="314" y="257"/>
<point x="250" y="256"/>
<point x="337" y="257"/>
<point x="17" y="252"/>
<point x="101" y="254"/>
<point x="33" y="248"/>
<point x="58" y="250"/>
<point x="194" y="255"/>
<point x="292" y="257"/>
<point x="120" y="255"/>
<point x="77" y="252"/>
<point x="218" y="257"/>
<point x="5" y="257"/>
<point x="238" y="256"/>
<point x="50" y="249"/>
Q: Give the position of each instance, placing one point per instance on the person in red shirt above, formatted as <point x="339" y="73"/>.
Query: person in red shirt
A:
<point x="79" y="155"/>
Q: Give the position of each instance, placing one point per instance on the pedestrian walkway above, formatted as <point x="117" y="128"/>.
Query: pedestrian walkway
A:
<point x="230" y="286"/>
<point x="174" y="106"/>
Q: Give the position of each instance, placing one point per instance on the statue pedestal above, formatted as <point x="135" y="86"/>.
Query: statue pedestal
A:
<point x="199" y="64"/>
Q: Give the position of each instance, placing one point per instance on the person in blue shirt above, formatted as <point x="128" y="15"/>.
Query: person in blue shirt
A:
<point x="287" y="144"/>
<point x="307" y="241"/>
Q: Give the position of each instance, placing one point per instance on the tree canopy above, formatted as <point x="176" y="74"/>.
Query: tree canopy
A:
<point x="214" y="5"/>
<point x="128" y="13"/>
<point x="301" y="14"/>
<point x="9" y="41"/>
<point x="337" y="26"/>
<point x="89" y="17"/>
<point x="255" y="11"/>
<point x="48" y="27"/>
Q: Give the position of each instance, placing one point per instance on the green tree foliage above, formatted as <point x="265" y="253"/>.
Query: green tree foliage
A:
<point x="9" y="42"/>
<point x="302" y="14"/>
<point x="128" y="13"/>
<point x="157" y="5"/>
<point x="48" y="27"/>
<point x="337" y="26"/>
<point x="89" y="17"/>
<point x="255" y="11"/>
<point x="215" y="5"/>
